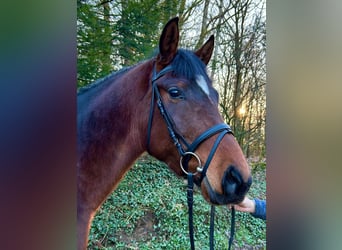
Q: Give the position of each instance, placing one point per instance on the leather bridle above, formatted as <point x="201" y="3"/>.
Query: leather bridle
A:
<point x="187" y="154"/>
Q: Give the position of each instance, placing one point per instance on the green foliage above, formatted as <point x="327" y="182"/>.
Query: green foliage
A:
<point x="114" y="34"/>
<point x="137" y="30"/>
<point x="148" y="210"/>
<point x="94" y="42"/>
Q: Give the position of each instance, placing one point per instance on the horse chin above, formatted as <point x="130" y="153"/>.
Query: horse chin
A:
<point x="216" y="198"/>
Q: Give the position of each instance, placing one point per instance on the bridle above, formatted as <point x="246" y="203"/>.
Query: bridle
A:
<point x="185" y="155"/>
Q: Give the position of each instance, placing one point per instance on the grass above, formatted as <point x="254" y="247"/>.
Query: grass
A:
<point x="148" y="210"/>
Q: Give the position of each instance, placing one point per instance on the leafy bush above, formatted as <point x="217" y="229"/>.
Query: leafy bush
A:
<point x="148" y="210"/>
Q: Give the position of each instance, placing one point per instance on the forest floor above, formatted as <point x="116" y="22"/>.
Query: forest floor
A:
<point x="148" y="210"/>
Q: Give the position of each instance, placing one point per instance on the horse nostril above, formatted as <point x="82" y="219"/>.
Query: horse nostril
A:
<point x="232" y="181"/>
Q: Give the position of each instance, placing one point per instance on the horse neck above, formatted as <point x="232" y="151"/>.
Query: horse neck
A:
<point x="112" y="128"/>
<point x="120" y="112"/>
<point x="136" y="103"/>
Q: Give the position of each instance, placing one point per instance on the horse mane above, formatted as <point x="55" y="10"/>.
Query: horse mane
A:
<point x="108" y="78"/>
<point x="187" y="64"/>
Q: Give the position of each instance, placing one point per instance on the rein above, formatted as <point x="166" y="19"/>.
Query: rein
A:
<point x="186" y="155"/>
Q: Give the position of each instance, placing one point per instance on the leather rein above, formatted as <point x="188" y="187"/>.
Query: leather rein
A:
<point x="186" y="155"/>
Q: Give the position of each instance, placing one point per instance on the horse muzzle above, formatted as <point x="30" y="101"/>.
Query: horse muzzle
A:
<point x="233" y="187"/>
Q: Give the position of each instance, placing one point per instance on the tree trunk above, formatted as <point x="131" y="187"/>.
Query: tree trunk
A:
<point x="204" y="29"/>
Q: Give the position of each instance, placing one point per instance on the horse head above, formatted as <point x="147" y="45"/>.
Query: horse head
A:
<point x="189" y="114"/>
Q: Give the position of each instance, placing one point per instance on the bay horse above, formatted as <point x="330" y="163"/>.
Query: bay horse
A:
<point x="118" y="120"/>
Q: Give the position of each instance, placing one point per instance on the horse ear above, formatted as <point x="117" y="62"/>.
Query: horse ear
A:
<point x="168" y="42"/>
<point x="205" y="52"/>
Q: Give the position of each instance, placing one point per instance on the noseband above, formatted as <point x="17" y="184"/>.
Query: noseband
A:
<point x="186" y="155"/>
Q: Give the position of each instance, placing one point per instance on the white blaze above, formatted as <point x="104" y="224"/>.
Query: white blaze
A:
<point x="202" y="83"/>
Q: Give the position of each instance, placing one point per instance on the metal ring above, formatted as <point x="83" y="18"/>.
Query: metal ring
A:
<point x="198" y="169"/>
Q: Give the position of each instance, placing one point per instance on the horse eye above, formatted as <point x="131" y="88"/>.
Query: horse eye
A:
<point x="175" y="93"/>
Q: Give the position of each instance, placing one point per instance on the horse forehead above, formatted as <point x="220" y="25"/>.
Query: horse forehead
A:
<point x="203" y="84"/>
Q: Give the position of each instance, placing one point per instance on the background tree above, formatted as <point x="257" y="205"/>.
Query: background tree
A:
<point x="239" y="68"/>
<point x="94" y="36"/>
